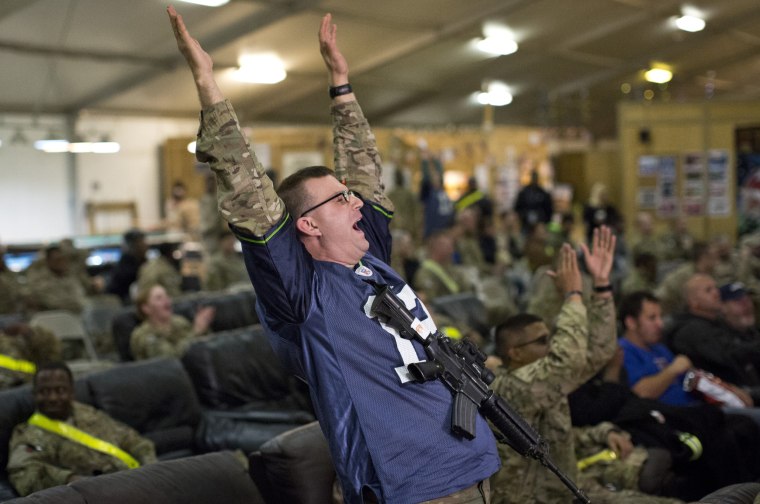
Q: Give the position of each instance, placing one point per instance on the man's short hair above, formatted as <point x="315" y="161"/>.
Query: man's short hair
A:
<point x="632" y="304"/>
<point x="53" y="366"/>
<point x="132" y="236"/>
<point x="52" y="249"/>
<point x="292" y="191"/>
<point x="513" y="325"/>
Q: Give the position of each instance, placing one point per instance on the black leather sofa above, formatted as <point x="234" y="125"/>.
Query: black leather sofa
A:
<point x="155" y="397"/>
<point x="203" y="479"/>
<point x="247" y="399"/>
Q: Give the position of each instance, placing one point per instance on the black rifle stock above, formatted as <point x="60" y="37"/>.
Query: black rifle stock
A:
<point x="461" y="366"/>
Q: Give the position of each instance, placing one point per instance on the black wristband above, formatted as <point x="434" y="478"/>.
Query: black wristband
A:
<point x="341" y="90"/>
<point x="603" y="288"/>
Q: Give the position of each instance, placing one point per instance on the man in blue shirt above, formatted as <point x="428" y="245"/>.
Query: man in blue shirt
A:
<point x="314" y="251"/>
<point x="653" y="371"/>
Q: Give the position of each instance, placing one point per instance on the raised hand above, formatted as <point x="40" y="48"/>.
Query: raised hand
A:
<point x="337" y="66"/>
<point x="599" y="260"/>
<point x="199" y="61"/>
<point x="567" y="277"/>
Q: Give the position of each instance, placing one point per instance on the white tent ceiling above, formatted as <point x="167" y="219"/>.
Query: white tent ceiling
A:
<point x="412" y="61"/>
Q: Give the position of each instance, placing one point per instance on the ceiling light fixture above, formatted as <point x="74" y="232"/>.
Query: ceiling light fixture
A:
<point x="690" y="23"/>
<point x="191" y="147"/>
<point x="497" y="45"/>
<point x="260" y="69"/>
<point x="658" y="75"/>
<point x="497" y="94"/>
<point x="207" y="3"/>
<point x="78" y="146"/>
<point x="498" y="40"/>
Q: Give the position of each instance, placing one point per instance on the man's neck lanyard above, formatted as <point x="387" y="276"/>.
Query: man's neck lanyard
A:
<point x="72" y="433"/>
<point x="20" y="365"/>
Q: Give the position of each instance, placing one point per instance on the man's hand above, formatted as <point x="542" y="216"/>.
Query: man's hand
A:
<point x="337" y="66"/>
<point x="599" y="260"/>
<point x="620" y="443"/>
<point x="198" y="60"/>
<point x="203" y="318"/>
<point x="567" y="278"/>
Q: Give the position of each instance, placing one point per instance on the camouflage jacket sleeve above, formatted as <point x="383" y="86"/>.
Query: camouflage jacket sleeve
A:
<point x="602" y="334"/>
<point x="357" y="162"/>
<point x="132" y="442"/>
<point x="246" y="196"/>
<point x="30" y="462"/>
<point x="592" y="437"/>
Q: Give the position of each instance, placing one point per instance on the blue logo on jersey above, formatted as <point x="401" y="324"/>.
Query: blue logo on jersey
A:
<point x="363" y="271"/>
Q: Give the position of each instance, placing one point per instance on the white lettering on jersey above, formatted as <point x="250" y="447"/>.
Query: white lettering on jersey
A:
<point x="404" y="346"/>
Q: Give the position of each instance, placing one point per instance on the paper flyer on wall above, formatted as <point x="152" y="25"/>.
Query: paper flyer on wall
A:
<point x="718" y="203"/>
<point x="693" y="184"/>
<point x="666" y="199"/>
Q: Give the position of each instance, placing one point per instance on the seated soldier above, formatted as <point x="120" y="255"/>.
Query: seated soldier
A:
<point x="52" y="285"/>
<point x="23" y="347"/>
<point x="542" y="369"/>
<point x="225" y="267"/>
<point x="162" y="270"/>
<point x="65" y="440"/>
<point x="162" y="333"/>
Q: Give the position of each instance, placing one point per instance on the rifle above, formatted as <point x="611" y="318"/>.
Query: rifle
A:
<point x="461" y="367"/>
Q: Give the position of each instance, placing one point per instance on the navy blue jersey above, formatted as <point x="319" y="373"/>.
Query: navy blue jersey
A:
<point x="384" y="431"/>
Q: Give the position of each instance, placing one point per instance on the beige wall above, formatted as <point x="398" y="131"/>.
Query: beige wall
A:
<point x="676" y="129"/>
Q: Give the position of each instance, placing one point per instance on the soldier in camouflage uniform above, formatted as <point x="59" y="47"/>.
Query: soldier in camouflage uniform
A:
<point x="437" y="276"/>
<point x="408" y="212"/>
<point x="161" y="270"/>
<point x="226" y="267"/>
<point x="40" y="458"/>
<point x="541" y="370"/>
<point x="26" y="347"/>
<point x="53" y="287"/>
<point x="11" y="291"/>
<point x="643" y="275"/>
<point x="164" y="334"/>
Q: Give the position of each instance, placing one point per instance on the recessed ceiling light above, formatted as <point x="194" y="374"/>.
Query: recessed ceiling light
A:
<point x="497" y="95"/>
<point x="207" y="3"/>
<point x="260" y="69"/>
<point x="499" y="45"/>
<point x="690" y="23"/>
<point x="658" y="75"/>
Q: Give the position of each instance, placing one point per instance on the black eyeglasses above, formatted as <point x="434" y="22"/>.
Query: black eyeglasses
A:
<point x="346" y="194"/>
<point x="541" y="340"/>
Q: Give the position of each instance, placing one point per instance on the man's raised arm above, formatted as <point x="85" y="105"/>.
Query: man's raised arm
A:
<point x="246" y="196"/>
<point x="357" y="162"/>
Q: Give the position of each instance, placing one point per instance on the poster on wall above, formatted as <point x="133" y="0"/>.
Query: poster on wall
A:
<point x="666" y="200"/>
<point x="693" y="184"/>
<point x="718" y="203"/>
<point x="649" y="166"/>
<point x="748" y="191"/>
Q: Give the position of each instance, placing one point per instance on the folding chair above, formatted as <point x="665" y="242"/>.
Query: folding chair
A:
<point x="67" y="326"/>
